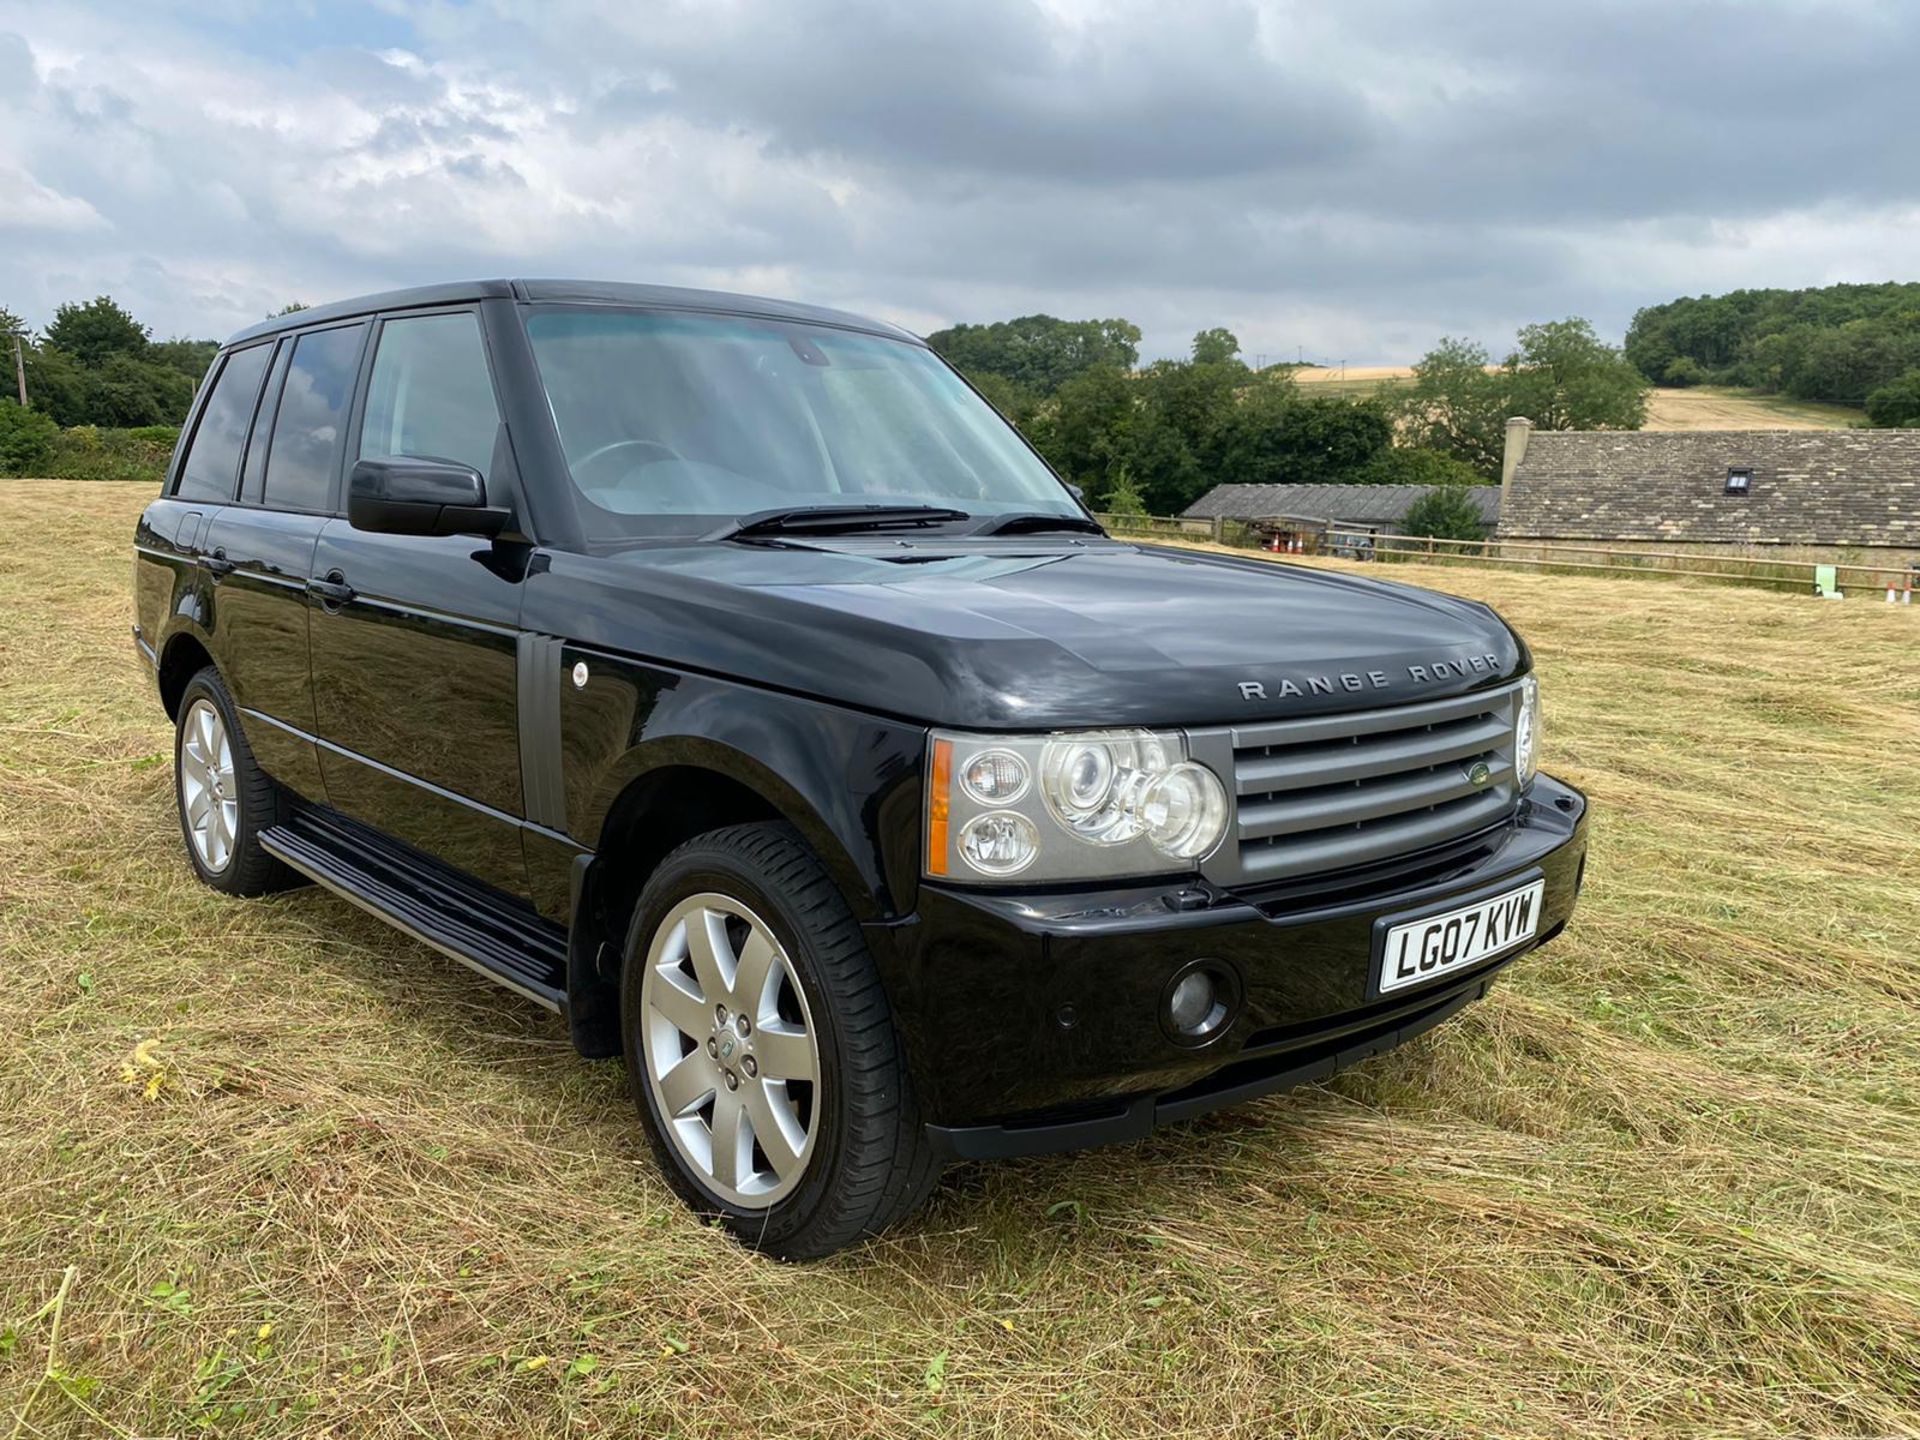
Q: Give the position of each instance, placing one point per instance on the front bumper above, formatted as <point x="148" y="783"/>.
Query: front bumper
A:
<point x="1032" y="1022"/>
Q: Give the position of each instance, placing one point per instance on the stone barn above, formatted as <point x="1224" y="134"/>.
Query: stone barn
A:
<point x="1847" y="496"/>
<point x="1347" y="510"/>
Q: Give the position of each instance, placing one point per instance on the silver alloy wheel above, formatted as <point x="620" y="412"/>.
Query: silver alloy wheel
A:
<point x="209" y="797"/>
<point x="729" y="1048"/>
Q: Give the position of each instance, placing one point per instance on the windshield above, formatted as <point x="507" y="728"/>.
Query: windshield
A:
<point x="674" y="422"/>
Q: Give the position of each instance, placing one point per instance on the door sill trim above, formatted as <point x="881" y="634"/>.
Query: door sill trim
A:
<point x="450" y="924"/>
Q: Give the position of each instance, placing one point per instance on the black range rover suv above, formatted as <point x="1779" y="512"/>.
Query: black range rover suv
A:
<point x="728" y="677"/>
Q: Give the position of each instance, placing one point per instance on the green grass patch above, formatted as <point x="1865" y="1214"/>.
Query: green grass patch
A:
<point x="93" y="452"/>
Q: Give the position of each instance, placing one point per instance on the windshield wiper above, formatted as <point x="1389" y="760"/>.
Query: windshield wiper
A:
<point x="1030" y="522"/>
<point x="834" y="520"/>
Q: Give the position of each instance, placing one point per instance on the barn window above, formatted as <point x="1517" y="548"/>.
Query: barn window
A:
<point x="1739" y="479"/>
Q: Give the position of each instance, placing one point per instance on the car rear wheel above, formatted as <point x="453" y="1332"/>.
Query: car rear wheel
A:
<point x="225" y="799"/>
<point x="762" y="1050"/>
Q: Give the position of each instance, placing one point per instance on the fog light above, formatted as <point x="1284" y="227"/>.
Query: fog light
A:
<point x="1001" y="842"/>
<point x="1193" y="1001"/>
<point x="1198" y="1005"/>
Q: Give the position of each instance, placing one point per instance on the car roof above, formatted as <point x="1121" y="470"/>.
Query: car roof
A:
<point x="585" y="292"/>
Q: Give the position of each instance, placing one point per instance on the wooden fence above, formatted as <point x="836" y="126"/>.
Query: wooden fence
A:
<point x="1547" y="556"/>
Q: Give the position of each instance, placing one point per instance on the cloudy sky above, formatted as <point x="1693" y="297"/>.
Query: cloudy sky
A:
<point x="1346" y="178"/>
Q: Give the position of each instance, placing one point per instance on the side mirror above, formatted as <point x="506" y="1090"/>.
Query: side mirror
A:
<point x="421" y="497"/>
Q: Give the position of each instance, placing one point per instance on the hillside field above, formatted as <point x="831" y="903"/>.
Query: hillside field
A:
<point x="1705" y="407"/>
<point x="305" y="1177"/>
<point x="1718" y="407"/>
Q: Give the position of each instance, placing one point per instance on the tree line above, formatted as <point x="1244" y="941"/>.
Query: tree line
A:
<point x="104" y="398"/>
<point x="97" y="365"/>
<point x="1141" y="439"/>
<point x="1156" y="438"/>
<point x="1844" y="344"/>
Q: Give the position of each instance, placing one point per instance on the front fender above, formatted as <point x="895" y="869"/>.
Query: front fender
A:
<point x="850" y="783"/>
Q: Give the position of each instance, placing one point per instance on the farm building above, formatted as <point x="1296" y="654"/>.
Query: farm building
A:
<point x="1793" y="494"/>
<point x="1309" y="512"/>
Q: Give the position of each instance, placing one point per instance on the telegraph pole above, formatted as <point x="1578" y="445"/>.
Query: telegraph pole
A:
<point x="19" y="371"/>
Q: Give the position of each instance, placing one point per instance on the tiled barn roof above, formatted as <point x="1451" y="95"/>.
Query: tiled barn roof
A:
<point x="1342" y="504"/>
<point x="1809" y="487"/>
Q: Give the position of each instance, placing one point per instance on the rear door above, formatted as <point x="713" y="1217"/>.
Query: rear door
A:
<point x="414" y="662"/>
<point x="170" y="576"/>
<point x="261" y="548"/>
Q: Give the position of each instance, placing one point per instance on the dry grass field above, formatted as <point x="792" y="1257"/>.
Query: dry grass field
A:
<point x="1716" y="407"/>
<point x="1353" y="380"/>
<point x="1338" y="376"/>
<point x="308" y="1178"/>
<point x="1705" y="407"/>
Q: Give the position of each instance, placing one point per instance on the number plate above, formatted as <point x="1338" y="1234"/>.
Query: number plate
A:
<point x="1424" y="950"/>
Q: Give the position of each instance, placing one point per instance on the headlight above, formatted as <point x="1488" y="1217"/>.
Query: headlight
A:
<point x="1185" y="810"/>
<point x="1526" y="733"/>
<point x="1102" y="805"/>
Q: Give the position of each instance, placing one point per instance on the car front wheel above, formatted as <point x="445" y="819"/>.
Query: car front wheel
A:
<point x="762" y="1050"/>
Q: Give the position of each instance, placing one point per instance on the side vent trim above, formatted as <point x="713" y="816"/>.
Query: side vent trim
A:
<point x="543" y="790"/>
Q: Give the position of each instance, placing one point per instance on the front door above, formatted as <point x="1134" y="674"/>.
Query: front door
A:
<point x="413" y="638"/>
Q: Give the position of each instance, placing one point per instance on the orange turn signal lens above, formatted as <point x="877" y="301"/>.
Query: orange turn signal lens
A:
<point x="939" y="805"/>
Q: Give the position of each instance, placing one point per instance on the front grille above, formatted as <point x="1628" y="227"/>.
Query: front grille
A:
<point x="1330" y="793"/>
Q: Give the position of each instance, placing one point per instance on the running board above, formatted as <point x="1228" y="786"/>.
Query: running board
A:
<point x="488" y="932"/>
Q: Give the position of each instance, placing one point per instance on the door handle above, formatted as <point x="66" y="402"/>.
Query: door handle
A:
<point x="332" y="592"/>
<point x="218" y="564"/>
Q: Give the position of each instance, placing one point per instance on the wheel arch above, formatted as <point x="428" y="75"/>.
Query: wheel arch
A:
<point x="663" y="794"/>
<point x="663" y="805"/>
<point x="183" y="656"/>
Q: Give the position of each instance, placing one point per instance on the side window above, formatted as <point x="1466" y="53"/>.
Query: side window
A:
<point x="307" y="428"/>
<point x="214" y="455"/>
<point x="254" y="469"/>
<point x="430" y="397"/>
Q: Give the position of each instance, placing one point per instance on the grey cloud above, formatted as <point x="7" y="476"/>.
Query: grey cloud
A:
<point x="1642" y="110"/>
<point x="986" y="89"/>
<point x="373" y="79"/>
<point x="1505" y="108"/>
<point x="16" y="66"/>
<point x="1360" y="177"/>
<point x="480" y="169"/>
<point x="403" y="131"/>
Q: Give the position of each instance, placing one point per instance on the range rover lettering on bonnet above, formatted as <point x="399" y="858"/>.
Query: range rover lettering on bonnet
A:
<point x="1358" y="681"/>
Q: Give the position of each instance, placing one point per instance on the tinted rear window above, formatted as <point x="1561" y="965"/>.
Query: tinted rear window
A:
<point x="255" y="466"/>
<point x="214" y="456"/>
<point x="305" y="448"/>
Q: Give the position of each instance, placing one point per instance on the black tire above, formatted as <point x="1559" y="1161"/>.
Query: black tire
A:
<point x="872" y="1162"/>
<point x="247" y="869"/>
